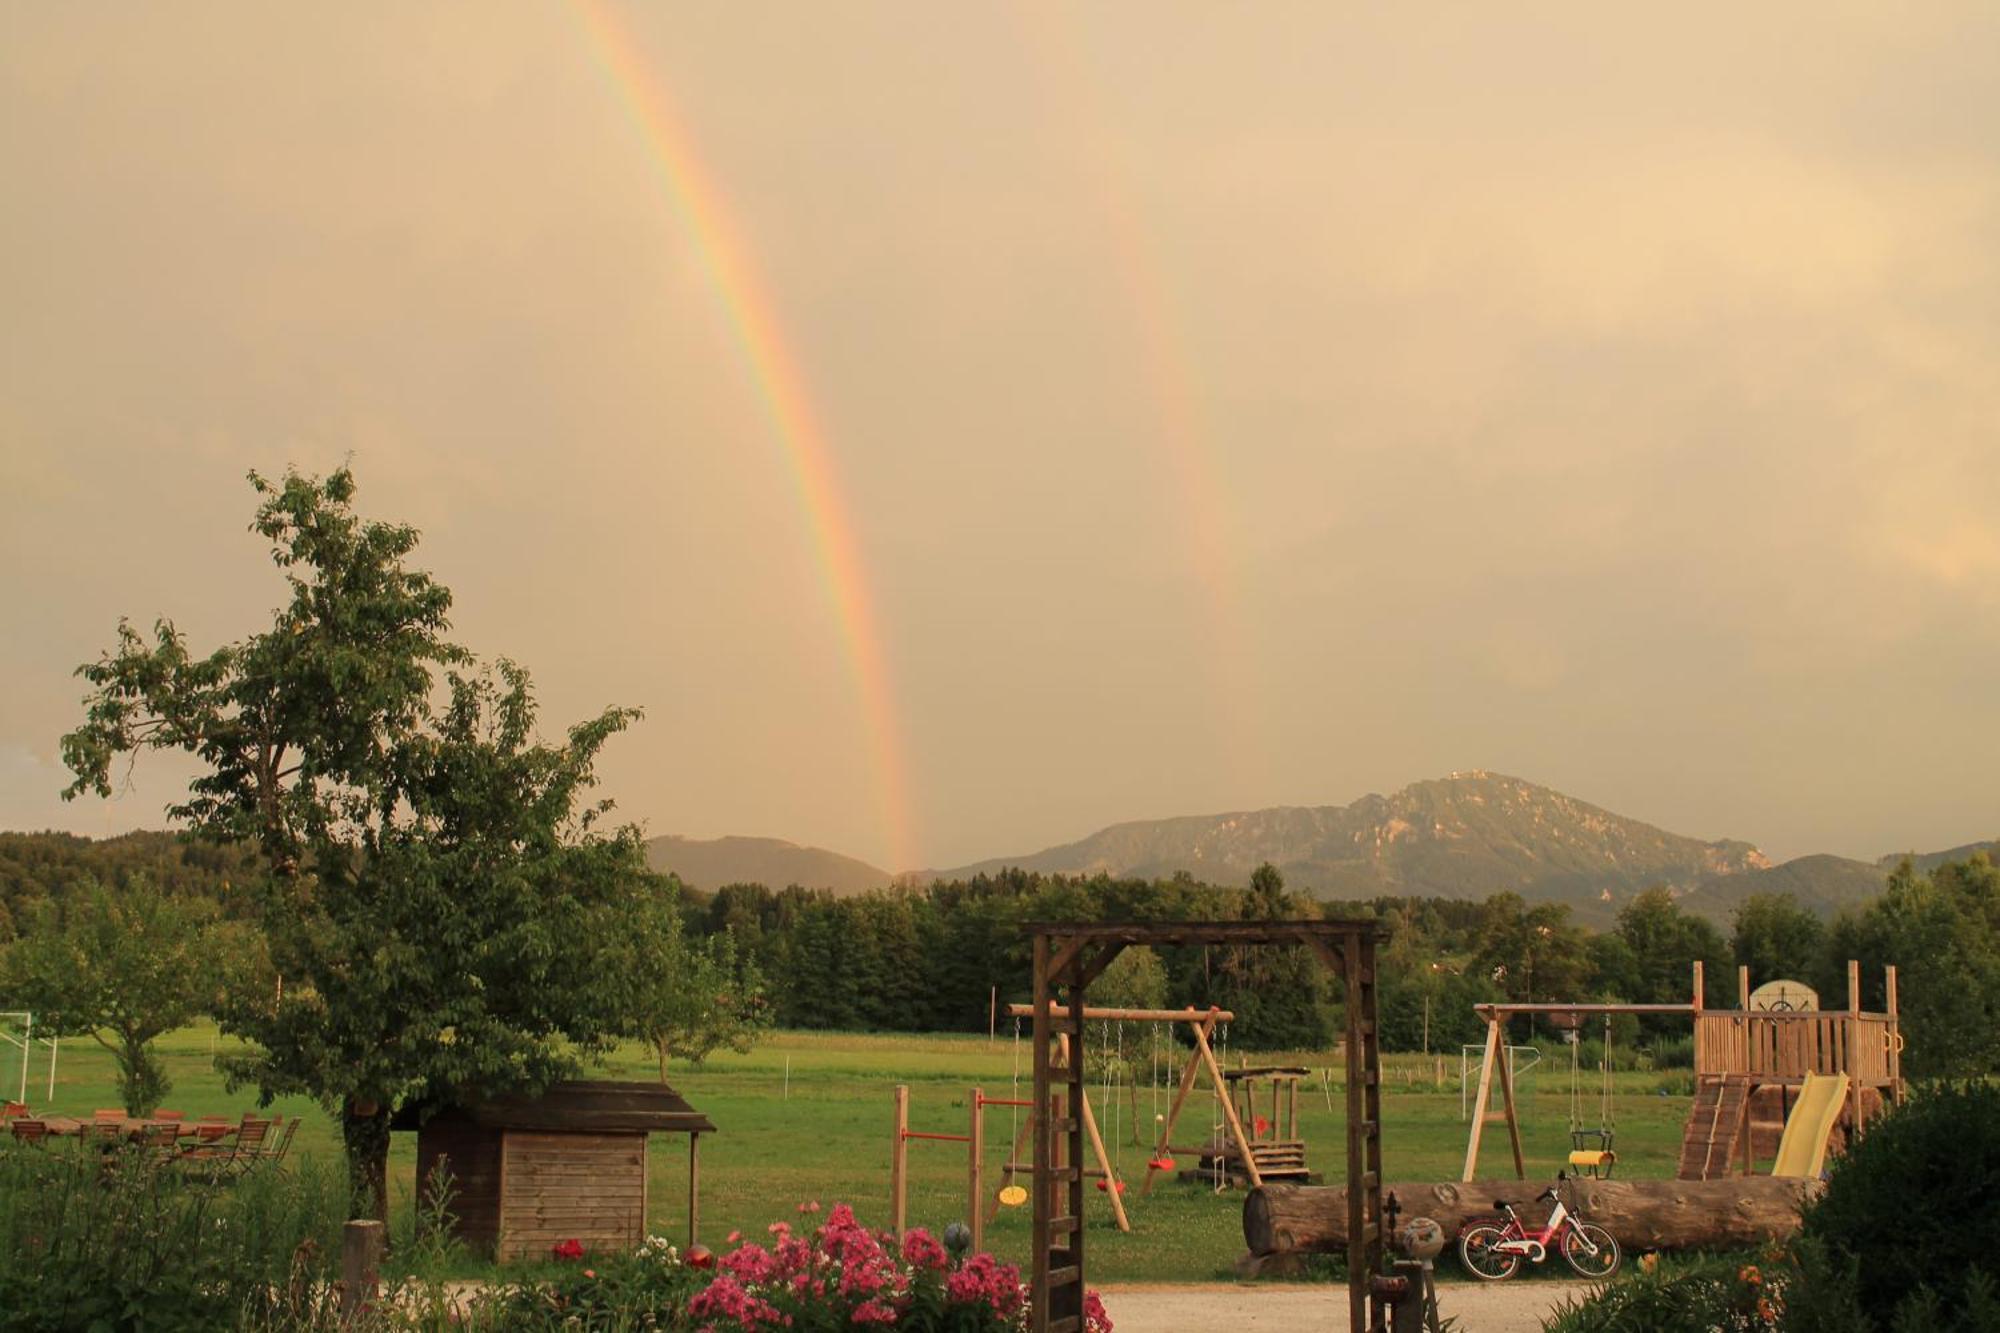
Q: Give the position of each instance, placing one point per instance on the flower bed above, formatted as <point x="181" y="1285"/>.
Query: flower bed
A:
<point x="804" y="1277"/>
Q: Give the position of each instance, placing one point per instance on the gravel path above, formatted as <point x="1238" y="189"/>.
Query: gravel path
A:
<point x="1505" y="1307"/>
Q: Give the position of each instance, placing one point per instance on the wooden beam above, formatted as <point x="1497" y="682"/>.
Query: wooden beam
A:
<point x="1513" y="1115"/>
<point x="1188" y="1074"/>
<point x="1094" y="1014"/>
<point x="1485" y="1091"/>
<point x="1895" y="1033"/>
<point x="1092" y="968"/>
<point x="1229" y="1117"/>
<point x="899" y="1162"/>
<point x="694" y="1188"/>
<point x="1042" y="1189"/>
<point x="1743" y="987"/>
<point x="975" y="1191"/>
<point x="1509" y="1009"/>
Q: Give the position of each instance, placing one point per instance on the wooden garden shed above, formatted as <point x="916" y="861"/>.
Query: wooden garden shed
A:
<point x="529" y="1173"/>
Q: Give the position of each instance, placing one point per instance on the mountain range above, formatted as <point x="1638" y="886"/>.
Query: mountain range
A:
<point x="1467" y="835"/>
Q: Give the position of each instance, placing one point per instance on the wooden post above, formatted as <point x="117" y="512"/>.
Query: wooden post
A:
<point x="1743" y="987"/>
<point x="1895" y="1034"/>
<point x="975" y="1190"/>
<point x="899" y="1161"/>
<point x="1229" y="1116"/>
<point x="1104" y="1165"/>
<point x="361" y="1244"/>
<point x="1853" y="1049"/>
<point x="1513" y="1116"/>
<point x="1043" y="1182"/>
<point x="694" y="1188"/>
<point x="1485" y="1091"/>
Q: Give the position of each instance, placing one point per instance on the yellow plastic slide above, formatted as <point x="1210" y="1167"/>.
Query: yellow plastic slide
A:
<point x="1802" y="1150"/>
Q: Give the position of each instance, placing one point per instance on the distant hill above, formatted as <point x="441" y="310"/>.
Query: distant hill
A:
<point x="1928" y="861"/>
<point x="1463" y="836"/>
<point x="710" y="863"/>
<point x="1821" y="883"/>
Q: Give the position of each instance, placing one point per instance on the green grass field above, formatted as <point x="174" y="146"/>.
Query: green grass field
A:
<point x="826" y="1135"/>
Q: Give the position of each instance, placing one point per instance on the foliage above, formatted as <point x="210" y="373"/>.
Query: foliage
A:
<point x="1776" y="938"/>
<point x="1662" y="944"/>
<point x="122" y="968"/>
<point x="95" y="1242"/>
<point x="436" y="895"/>
<point x="1943" y="933"/>
<point x="691" y="996"/>
<point x="1912" y="1207"/>
<point x="816" y="1279"/>
<point x="1689" y="1295"/>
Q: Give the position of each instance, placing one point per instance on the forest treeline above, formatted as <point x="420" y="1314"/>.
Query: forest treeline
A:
<point x="933" y="958"/>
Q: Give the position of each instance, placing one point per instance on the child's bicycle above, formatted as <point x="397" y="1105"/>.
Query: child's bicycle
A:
<point x="1494" y="1253"/>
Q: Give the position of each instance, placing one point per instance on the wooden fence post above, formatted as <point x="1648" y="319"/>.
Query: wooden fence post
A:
<point x="975" y="1190"/>
<point x="899" y="1161"/>
<point x="361" y="1243"/>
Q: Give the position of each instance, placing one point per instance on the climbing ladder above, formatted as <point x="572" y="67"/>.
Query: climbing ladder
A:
<point x="1709" y="1140"/>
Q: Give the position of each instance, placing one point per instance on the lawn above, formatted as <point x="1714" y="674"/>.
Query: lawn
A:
<point x="807" y="1116"/>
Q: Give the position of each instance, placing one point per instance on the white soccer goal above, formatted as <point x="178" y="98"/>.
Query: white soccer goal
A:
<point x="17" y="1029"/>
<point x="1520" y="1059"/>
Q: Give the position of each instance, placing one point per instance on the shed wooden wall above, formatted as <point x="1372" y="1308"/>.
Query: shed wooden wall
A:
<point x="471" y="1154"/>
<point x="569" y="1186"/>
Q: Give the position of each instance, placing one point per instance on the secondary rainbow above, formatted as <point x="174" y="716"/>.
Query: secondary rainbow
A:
<point x="693" y="197"/>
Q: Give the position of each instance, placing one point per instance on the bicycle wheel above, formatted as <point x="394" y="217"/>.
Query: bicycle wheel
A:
<point x="1590" y="1250"/>
<point x="1476" y="1252"/>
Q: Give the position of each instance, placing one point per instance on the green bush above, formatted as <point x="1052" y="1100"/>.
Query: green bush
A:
<point x="90" y="1240"/>
<point x="1698" y="1295"/>
<point x="1906" y="1227"/>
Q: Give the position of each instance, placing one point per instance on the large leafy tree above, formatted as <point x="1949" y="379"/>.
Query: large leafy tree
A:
<point x="691" y="995"/>
<point x="122" y="967"/>
<point x="1775" y="937"/>
<point x="438" y="894"/>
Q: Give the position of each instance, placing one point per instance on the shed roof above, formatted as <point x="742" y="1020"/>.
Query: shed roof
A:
<point x="582" y="1105"/>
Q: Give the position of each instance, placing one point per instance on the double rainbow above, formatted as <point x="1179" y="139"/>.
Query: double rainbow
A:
<point x="692" y="196"/>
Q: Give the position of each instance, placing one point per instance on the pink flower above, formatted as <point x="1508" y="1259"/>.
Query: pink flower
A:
<point x="983" y="1280"/>
<point x="874" y="1312"/>
<point x="1094" y="1318"/>
<point x="921" y="1251"/>
<point x="567" y="1249"/>
<point x="725" y="1299"/>
<point x="749" y="1264"/>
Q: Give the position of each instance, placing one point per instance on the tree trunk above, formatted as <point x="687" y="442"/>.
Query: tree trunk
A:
<point x="364" y="1130"/>
<point x="1732" y="1213"/>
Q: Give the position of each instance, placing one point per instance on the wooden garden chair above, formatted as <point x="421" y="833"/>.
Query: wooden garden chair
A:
<point x="29" y="1131"/>
<point x="162" y="1143"/>
<point x="281" y="1143"/>
<point x="250" y="1136"/>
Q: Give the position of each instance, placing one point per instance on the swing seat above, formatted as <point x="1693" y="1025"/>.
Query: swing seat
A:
<point x="1161" y="1163"/>
<point x="1013" y="1196"/>
<point x="1590" y="1151"/>
<point x="1106" y="1186"/>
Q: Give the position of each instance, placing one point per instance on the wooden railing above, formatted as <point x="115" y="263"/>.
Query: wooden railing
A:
<point x="1794" y="1044"/>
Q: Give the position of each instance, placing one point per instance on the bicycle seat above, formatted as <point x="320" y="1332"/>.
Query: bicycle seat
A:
<point x="1502" y="1204"/>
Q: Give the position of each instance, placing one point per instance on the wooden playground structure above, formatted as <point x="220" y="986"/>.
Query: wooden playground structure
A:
<point x="1750" y="1067"/>
<point x="982" y="1205"/>
<point x="1067" y="958"/>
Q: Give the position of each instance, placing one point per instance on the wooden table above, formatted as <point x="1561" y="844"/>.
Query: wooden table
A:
<point x="65" y="1126"/>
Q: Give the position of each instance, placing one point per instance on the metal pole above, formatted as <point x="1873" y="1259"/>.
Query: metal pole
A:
<point x="975" y="1191"/>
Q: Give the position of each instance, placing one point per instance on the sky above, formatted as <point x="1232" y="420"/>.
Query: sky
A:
<point x="960" y="427"/>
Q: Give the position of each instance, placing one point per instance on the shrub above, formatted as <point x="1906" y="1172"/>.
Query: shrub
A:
<point x="837" y="1275"/>
<point x="1908" y="1218"/>
<point x="1678" y="1296"/>
<point x="90" y="1240"/>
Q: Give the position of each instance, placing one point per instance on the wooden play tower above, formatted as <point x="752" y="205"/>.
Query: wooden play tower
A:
<point x="1749" y="1065"/>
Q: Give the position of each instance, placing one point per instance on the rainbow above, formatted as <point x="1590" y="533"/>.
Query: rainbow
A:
<point x="691" y="194"/>
<point x="1206" y="514"/>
